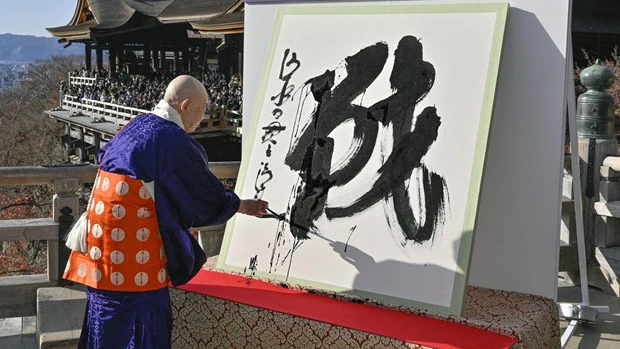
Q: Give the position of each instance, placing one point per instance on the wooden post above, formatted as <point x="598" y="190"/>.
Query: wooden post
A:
<point x="162" y="59"/>
<point x="592" y="152"/>
<point x="66" y="210"/>
<point x="192" y="61"/>
<point x="147" y="59"/>
<point x="185" y="59"/>
<point x="240" y="62"/>
<point x="82" y="145"/>
<point x="120" y="59"/>
<point x="202" y="58"/>
<point x="99" y="58"/>
<point x="112" y="63"/>
<point x="88" y="56"/>
<point x="69" y="142"/>
<point x="155" y="59"/>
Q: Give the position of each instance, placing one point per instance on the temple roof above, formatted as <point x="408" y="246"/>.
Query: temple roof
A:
<point x="100" y="17"/>
<point x="193" y="9"/>
<point x="93" y="17"/>
<point x="109" y="13"/>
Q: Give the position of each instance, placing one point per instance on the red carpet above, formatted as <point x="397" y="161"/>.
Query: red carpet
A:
<point x="407" y="327"/>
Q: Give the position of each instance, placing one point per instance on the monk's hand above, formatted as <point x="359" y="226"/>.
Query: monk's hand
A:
<point x="253" y="207"/>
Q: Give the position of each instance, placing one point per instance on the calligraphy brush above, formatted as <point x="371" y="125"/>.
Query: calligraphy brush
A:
<point x="281" y="217"/>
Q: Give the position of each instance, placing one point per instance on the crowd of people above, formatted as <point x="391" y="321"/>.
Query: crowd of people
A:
<point x="224" y="93"/>
<point x="144" y="92"/>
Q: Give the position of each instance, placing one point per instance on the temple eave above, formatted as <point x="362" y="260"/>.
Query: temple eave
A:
<point x="187" y="18"/>
<point x="202" y="29"/>
<point x="71" y="36"/>
<point x="220" y="32"/>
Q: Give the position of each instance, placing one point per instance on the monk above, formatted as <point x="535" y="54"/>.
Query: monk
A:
<point x="153" y="184"/>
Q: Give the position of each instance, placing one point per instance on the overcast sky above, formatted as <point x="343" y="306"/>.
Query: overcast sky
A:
<point x="31" y="17"/>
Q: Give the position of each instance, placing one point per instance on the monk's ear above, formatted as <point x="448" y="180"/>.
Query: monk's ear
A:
<point x="185" y="105"/>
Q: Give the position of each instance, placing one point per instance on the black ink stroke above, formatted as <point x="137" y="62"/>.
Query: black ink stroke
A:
<point x="253" y="265"/>
<point x="311" y="152"/>
<point x="271" y="131"/>
<point x="291" y="67"/>
<point x="349" y="238"/>
<point x="264" y="176"/>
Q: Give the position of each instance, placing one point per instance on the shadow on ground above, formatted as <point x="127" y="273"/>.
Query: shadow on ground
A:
<point x="605" y="333"/>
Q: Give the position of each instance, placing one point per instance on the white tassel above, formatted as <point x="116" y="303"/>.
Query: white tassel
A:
<point x="76" y="238"/>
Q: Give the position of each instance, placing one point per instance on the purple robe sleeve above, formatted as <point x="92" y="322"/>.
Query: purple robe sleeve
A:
<point x="194" y="192"/>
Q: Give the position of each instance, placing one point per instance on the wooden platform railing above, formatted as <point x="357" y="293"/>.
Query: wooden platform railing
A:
<point x="121" y="115"/>
<point x="18" y="293"/>
<point x="82" y="80"/>
<point x="114" y="113"/>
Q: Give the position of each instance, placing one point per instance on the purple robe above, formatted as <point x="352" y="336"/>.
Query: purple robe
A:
<point x="186" y="194"/>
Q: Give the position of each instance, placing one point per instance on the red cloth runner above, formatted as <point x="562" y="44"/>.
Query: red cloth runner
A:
<point x="410" y="328"/>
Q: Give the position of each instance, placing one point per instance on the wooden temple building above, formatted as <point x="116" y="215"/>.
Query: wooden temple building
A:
<point x="145" y="37"/>
<point x="139" y="37"/>
<point x="186" y="35"/>
<point x="177" y="35"/>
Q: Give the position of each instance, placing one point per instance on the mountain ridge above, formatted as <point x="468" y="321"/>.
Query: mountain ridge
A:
<point x="30" y="48"/>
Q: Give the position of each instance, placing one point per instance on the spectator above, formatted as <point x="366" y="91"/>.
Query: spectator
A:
<point x="142" y="92"/>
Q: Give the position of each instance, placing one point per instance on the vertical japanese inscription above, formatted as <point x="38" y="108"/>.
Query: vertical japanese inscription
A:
<point x="288" y="66"/>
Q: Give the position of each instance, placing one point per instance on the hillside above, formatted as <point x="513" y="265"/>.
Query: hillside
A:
<point x="28" y="48"/>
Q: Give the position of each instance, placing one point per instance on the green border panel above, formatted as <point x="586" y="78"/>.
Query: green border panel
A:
<point x="477" y="174"/>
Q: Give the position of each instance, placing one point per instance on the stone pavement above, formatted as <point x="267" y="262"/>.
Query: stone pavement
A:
<point x="605" y="334"/>
<point x="18" y="333"/>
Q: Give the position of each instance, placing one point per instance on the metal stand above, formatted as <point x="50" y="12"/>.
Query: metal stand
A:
<point x="584" y="312"/>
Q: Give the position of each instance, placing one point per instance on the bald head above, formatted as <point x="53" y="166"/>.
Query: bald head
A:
<point x="188" y="97"/>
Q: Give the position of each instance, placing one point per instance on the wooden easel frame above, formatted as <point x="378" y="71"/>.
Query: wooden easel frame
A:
<point x="583" y="312"/>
